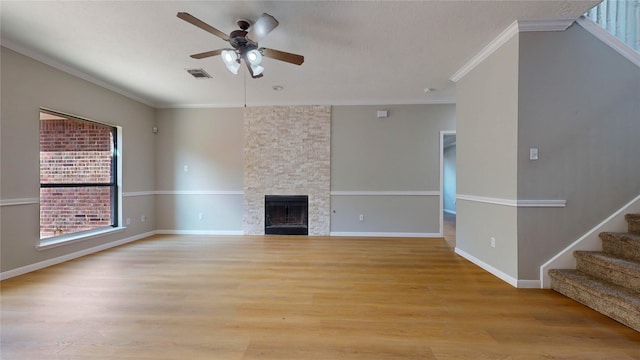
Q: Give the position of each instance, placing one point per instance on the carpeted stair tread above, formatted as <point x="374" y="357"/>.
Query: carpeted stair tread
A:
<point x="625" y="245"/>
<point x="634" y="223"/>
<point x="614" y="269"/>
<point x="617" y="302"/>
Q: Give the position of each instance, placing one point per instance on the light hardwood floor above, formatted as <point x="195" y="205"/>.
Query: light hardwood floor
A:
<point x="202" y="297"/>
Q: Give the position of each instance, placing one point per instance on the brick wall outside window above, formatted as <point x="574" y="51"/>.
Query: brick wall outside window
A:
<point x="74" y="151"/>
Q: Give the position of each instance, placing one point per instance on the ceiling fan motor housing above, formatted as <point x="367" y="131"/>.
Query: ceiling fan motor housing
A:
<point x="238" y="39"/>
<point x="243" y="24"/>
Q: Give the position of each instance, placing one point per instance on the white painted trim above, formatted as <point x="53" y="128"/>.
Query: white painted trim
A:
<point x="511" y="202"/>
<point x="200" y="232"/>
<point x="541" y="203"/>
<point x="494" y="45"/>
<point x="334" y="102"/>
<point x="75" y="237"/>
<point x="449" y="211"/>
<point x="492" y="270"/>
<point x="487" y="200"/>
<point x="23" y="201"/>
<point x="138" y="193"/>
<point x="384" y="234"/>
<point x="198" y="192"/>
<point x="512" y="30"/>
<point x="385" y="193"/>
<point x="544" y="25"/>
<point x="589" y="241"/>
<point x="75" y="72"/>
<point x="610" y="40"/>
<point x="50" y="262"/>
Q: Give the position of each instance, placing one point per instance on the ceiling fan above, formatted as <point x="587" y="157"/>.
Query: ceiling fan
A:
<point x="245" y="44"/>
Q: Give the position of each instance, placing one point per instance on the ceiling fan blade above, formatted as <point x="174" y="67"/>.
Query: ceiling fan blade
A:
<point x="202" y="25"/>
<point x="207" y="54"/>
<point x="283" y="56"/>
<point x="263" y="26"/>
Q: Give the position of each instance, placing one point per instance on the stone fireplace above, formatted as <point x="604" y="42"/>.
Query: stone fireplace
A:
<point x="287" y="150"/>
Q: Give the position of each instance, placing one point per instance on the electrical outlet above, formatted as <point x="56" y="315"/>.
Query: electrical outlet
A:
<point x="128" y="221"/>
<point x="143" y="218"/>
<point x="201" y="216"/>
<point x="361" y="217"/>
<point x="493" y="242"/>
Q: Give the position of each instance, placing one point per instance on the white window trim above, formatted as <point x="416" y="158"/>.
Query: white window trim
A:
<point x="62" y="240"/>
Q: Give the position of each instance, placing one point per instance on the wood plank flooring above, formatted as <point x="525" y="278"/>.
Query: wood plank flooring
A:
<point x="296" y="297"/>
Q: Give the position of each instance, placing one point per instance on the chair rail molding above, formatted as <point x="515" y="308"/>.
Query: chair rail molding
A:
<point x="513" y="202"/>
<point x="21" y="201"/>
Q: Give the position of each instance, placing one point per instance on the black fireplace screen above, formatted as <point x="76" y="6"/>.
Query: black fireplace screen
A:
<point x="286" y="214"/>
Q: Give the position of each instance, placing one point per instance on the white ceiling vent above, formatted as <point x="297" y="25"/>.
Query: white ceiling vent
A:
<point x="199" y="73"/>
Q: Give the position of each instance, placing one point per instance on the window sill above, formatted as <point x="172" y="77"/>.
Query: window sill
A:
<point x="73" y="238"/>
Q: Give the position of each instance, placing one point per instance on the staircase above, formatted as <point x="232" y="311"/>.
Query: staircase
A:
<point x="607" y="281"/>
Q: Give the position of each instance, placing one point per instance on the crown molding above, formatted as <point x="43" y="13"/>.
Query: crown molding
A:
<point x="544" y="25"/>
<point x="515" y="28"/>
<point x="72" y="71"/>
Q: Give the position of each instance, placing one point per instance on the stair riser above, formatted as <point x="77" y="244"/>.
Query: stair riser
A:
<point x="621" y="247"/>
<point x="603" y="306"/>
<point x="634" y="223"/>
<point x="609" y="272"/>
<point x="634" y="227"/>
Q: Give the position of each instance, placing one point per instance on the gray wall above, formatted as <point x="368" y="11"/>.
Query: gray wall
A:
<point x="487" y="133"/>
<point x="210" y="143"/>
<point x="579" y="103"/>
<point x="398" y="153"/>
<point x="28" y="85"/>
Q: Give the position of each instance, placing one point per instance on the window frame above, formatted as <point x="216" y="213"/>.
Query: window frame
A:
<point x="115" y="184"/>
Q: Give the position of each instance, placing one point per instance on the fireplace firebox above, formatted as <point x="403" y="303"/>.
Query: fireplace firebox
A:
<point x="286" y="215"/>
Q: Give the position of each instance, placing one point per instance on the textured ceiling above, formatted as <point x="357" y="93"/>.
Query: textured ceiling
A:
<point x="356" y="52"/>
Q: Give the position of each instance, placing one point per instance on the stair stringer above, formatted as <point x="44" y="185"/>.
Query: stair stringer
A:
<point x="588" y="242"/>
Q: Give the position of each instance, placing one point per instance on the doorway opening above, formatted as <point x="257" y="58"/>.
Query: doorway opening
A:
<point x="448" y="186"/>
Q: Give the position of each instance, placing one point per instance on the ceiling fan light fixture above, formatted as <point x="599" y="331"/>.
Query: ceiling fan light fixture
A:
<point x="229" y="56"/>
<point x="230" y="60"/>
<point x="257" y="69"/>
<point x="254" y="57"/>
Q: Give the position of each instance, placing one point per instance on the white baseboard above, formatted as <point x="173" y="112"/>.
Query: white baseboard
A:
<point x="200" y="232"/>
<point x="384" y="234"/>
<point x="497" y="273"/>
<point x="50" y="262"/>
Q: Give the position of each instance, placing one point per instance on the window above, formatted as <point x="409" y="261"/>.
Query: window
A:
<point x="621" y="18"/>
<point x="78" y="176"/>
